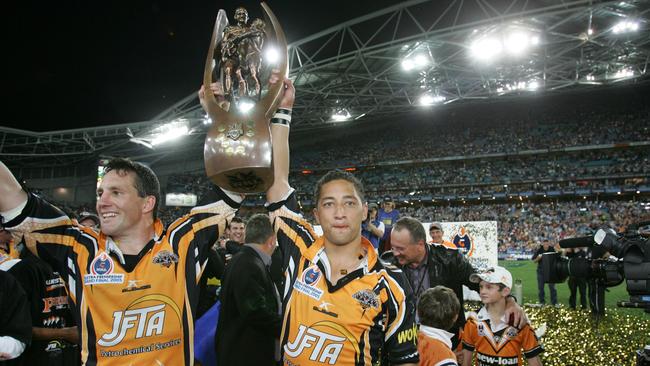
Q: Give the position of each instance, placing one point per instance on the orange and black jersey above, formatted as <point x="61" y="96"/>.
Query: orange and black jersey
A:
<point x="128" y="314"/>
<point x="498" y="344"/>
<point x="365" y="318"/>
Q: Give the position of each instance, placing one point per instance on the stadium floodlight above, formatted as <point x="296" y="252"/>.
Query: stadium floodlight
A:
<point x="428" y="99"/>
<point x="271" y="55"/>
<point x="625" y="26"/>
<point x="170" y="131"/>
<point x="407" y="64"/>
<point x="341" y="115"/>
<point x="533" y="85"/>
<point x="624" y="73"/>
<point x="516" y="43"/>
<point x="486" y="48"/>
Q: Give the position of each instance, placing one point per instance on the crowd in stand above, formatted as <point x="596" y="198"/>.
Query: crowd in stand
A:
<point x="475" y="138"/>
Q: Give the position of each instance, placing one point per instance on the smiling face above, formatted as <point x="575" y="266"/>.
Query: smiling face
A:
<point x="405" y="250"/>
<point x="119" y="207"/>
<point x="436" y="234"/>
<point x="237" y="231"/>
<point x="340" y="212"/>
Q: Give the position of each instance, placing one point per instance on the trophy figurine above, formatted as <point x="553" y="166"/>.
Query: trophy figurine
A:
<point x="238" y="149"/>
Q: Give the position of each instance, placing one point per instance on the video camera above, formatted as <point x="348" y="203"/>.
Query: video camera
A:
<point x="632" y="250"/>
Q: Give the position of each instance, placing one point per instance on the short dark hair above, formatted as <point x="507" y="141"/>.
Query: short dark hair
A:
<point x="437" y="307"/>
<point x="414" y="227"/>
<point x="238" y="220"/>
<point x="146" y="182"/>
<point x="258" y="229"/>
<point x="338" y="174"/>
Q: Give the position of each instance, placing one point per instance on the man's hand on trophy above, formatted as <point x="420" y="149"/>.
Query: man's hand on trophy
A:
<point x="288" y="91"/>
<point x="217" y="90"/>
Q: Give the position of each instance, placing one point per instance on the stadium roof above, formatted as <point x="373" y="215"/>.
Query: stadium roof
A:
<point x="417" y="54"/>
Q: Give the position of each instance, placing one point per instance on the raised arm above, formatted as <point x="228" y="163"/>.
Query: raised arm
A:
<point x="280" y="134"/>
<point x="11" y="193"/>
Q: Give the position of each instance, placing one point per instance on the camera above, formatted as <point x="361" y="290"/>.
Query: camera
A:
<point x="631" y="250"/>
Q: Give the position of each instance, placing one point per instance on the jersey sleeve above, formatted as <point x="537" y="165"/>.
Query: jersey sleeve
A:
<point x="295" y="235"/>
<point x="470" y="335"/>
<point x="529" y="343"/>
<point x="46" y="231"/>
<point x="401" y="332"/>
<point x="203" y="225"/>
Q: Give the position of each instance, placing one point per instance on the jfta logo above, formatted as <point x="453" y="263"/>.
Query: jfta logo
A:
<point x="146" y="322"/>
<point x="323" y="347"/>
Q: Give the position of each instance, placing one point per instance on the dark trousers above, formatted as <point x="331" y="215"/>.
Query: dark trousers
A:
<point x="596" y="297"/>
<point x="540" y="288"/>
<point x="576" y="284"/>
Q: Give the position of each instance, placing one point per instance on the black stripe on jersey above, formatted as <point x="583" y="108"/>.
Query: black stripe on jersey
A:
<point x="186" y="338"/>
<point x="92" y="340"/>
<point x="362" y="346"/>
<point x="177" y="234"/>
<point x="191" y="287"/>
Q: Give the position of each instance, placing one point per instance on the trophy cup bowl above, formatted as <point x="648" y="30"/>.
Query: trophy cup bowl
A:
<point x="238" y="150"/>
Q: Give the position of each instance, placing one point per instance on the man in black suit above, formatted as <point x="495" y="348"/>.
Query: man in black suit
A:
<point x="249" y="321"/>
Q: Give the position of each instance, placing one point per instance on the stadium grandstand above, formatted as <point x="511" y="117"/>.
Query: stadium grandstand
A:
<point x="524" y="113"/>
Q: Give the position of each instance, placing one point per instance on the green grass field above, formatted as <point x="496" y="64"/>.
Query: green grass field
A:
<point x="526" y="272"/>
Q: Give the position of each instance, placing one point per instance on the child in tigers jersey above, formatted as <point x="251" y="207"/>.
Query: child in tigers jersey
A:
<point x="488" y="333"/>
<point x="438" y="310"/>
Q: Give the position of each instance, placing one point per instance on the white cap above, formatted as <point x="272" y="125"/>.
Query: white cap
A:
<point x="495" y="274"/>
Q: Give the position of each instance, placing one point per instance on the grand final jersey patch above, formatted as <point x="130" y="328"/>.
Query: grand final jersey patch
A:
<point x="307" y="282"/>
<point x="101" y="271"/>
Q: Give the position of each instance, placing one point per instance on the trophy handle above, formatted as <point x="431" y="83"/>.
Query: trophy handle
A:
<point x="272" y="97"/>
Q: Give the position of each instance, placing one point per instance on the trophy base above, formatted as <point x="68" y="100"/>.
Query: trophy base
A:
<point x="245" y="179"/>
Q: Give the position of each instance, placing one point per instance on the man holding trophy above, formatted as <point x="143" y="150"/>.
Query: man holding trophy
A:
<point x="341" y="305"/>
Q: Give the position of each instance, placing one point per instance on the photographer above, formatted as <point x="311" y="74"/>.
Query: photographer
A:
<point x="596" y="286"/>
<point x="373" y="229"/>
<point x="577" y="283"/>
<point x="537" y="258"/>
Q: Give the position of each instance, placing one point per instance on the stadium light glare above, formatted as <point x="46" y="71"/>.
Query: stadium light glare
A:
<point x="590" y="31"/>
<point x="428" y="99"/>
<point x="421" y="60"/>
<point x="407" y="64"/>
<point x="625" y="26"/>
<point x="341" y="115"/>
<point x="533" y="85"/>
<point x="271" y="55"/>
<point x="245" y="106"/>
<point x="171" y="133"/>
<point x="516" y="43"/>
<point x="207" y="120"/>
<point x="624" y="73"/>
<point x="486" y="48"/>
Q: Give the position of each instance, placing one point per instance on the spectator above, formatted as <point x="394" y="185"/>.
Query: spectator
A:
<point x="537" y="258"/>
<point x="250" y="303"/>
<point x="436" y="233"/>
<point x="388" y="215"/>
<point x="373" y="229"/>
<point x="577" y="283"/>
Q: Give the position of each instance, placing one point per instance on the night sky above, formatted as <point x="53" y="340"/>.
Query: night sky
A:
<point x="75" y="64"/>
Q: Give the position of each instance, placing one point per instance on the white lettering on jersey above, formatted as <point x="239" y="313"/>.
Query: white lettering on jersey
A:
<point x="315" y="339"/>
<point x="125" y="320"/>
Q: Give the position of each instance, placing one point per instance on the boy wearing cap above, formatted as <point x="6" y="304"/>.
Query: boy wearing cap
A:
<point x="488" y="333"/>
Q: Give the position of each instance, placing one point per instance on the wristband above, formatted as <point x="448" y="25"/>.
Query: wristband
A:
<point x="282" y="117"/>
